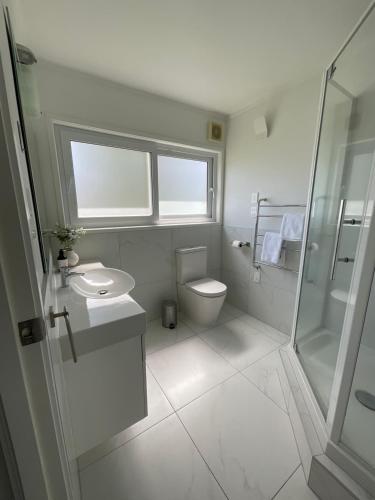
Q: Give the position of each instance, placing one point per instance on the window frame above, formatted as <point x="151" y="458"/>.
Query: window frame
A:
<point x="209" y="216"/>
<point x="65" y="134"/>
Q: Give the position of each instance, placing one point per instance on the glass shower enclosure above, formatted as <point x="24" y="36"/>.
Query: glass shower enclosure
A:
<point x="334" y="333"/>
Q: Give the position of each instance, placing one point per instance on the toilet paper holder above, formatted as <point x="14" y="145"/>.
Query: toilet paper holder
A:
<point x="240" y="244"/>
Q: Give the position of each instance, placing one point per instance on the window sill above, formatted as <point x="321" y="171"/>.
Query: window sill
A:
<point x="163" y="225"/>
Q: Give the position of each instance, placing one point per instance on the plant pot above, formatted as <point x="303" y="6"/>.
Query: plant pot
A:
<point x="73" y="257"/>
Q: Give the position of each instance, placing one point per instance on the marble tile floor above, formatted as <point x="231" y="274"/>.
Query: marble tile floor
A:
<point x="218" y="425"/>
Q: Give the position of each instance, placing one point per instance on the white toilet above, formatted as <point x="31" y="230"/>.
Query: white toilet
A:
<point x="200" y="298"/>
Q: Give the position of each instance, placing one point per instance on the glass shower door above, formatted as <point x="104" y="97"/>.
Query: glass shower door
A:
<point x="343" y="168"/>
<point x="358" y="431"/>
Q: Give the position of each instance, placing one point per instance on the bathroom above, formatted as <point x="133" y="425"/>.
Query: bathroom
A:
<point x="262" y="377"/>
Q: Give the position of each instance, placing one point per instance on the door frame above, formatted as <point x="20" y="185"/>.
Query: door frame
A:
<point x="23" y="380"/>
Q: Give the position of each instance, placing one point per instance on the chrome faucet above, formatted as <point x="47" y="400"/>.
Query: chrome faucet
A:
<point x="65" y="273"/>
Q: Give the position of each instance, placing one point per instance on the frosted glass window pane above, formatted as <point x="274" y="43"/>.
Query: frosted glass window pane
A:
<point x="182" y="186"/>
<point x="111" y="182"/>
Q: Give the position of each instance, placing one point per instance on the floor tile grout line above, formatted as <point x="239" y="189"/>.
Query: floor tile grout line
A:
<point x="263" y="332"/>
<point x="289" y="419"/>
<point x="128" y="441"/>
<point x="173" y="329"/>
<point x="281" y="384"/>
<point x="289" y="477"/>
<point x="266" y="395"/>
<point x="175" y="412"/>
<point x="207" y="391"/>
<point x="215" y="325"/>
<point x="227" y="360"/>
<point x="202" y="457"/>
<point x="210" y="347"/>
<point x="195" y="333"/>
<point x="294" y="435"/>
<point x="161" y="388"/>
<point x="219" y="353"/>
<point x="173" y="344"/>
<point x="294" y="374"/>
<point x="261" y="358"/>
<point x="178" y="416"/>
<point x="197" y="397"/>
<point x="231" y="364"/>
<point x="278" y="376"/>
<point x="225" y="380"/>
<point x="291" y="395"/>
<point x="238" y="372"/>
<point x="145" y="430"/>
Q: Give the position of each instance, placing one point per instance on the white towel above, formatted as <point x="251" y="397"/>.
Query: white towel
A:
<point x="271" y="248"/>
<point x="292" y="227"/>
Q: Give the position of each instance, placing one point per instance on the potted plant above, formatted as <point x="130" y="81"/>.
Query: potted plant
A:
<point x="68" y="236"/>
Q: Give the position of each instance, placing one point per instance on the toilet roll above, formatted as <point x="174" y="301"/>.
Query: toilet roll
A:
<point x="237" y="243"/>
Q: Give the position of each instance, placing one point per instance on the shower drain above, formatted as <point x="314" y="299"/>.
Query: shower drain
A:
<point x="102" y="292"/>
<point x="366" y="399"/>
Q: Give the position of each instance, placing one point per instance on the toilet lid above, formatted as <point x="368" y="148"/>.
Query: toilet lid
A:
<point x="207" y="287"/>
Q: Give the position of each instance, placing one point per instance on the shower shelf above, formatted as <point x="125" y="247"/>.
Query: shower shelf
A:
<point x="257" y="263"/>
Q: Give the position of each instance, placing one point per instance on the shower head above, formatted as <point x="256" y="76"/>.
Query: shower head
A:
<point x="25" y="55"/>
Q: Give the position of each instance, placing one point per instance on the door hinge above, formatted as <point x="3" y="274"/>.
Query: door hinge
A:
<point x="31" y="331"/>
<point x="331" y="71"/>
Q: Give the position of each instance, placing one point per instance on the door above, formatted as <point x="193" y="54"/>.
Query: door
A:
<point x="344" y="166"/>
<point x="26" y="386"/>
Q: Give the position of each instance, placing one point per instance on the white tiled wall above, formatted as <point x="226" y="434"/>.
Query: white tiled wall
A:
<point x="149" y="256"/>
<point x="278" y="168"/>
<point x="271" y="300"/>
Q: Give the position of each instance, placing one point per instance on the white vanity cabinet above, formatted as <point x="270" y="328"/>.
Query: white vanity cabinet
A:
<point x="106" y="387"/>
<point x="106" y="392"/>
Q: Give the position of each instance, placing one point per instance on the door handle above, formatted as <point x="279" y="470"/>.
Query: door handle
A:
<point x="337" y="238"/>
<point x="64" y="314"/>
<point x="345" y="259"/>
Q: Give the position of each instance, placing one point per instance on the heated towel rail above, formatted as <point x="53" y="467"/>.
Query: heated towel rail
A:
<point x="259" y="215"/>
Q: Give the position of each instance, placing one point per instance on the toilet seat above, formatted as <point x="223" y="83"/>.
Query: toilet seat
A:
<point x="207" y="287"/>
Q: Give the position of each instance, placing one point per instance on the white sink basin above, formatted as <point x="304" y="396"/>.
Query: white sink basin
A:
<point x="102" y="283"/>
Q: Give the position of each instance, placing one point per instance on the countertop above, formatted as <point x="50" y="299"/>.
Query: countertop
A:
<point x="96" y="323"/>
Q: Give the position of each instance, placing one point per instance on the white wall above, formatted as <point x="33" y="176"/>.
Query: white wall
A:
<point x="76" y="97"/>
<point x="278" y="168"/>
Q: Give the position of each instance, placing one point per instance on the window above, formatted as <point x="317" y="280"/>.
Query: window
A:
<point x="110" y="180"/>
<point x="184" y="186"/>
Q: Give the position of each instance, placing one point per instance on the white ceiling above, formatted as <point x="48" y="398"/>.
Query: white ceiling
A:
<point x="222" y="55"/>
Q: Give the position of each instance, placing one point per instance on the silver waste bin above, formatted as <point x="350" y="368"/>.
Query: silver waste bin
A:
<point x="169" y="314"/>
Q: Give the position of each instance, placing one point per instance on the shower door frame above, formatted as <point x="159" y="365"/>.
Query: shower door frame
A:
<point x="329" y="430"/>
